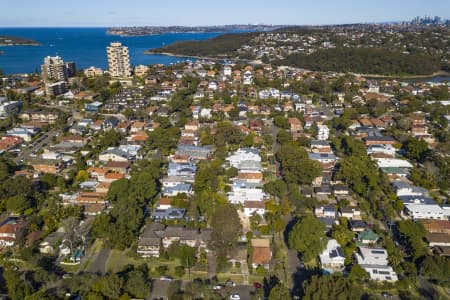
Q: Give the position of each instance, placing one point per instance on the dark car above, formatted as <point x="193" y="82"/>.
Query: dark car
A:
<point x="198" y="280"/>
<point x="386" y="295"/>
<point x="230" y="282"/>
<point x="257" y="285"/>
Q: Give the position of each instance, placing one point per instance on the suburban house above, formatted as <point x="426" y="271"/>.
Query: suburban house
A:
<point x="168" y="214"/>
<point x="325" y="212"/>
<point x="149" y="243"/>
<point x="375" y="262"/>
<point x="9" y="231"/>
<point x="438" y="239"/>
<point x="332" y="257"/>
<point x="251" y="207"/>
<point x="323" y="132"/>
<point x="185" y="236"/>
<point x="262" y="254"/>
<point x="352" y="213"/>
<point x="368" y="237"/>
<point x="423" y="207"/>
<point x="243" y="154"/>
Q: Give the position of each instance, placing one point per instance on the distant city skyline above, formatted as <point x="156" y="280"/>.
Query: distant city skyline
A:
<point x="104" y="13"/>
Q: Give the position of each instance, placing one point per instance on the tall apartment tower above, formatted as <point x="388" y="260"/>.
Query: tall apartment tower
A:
<point x="54" y="69"/>
<point x="118" y="60"/>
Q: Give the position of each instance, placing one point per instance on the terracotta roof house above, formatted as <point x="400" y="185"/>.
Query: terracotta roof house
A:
<point x="436" y="226"/>
<point x="262" y="254"/>
<point x="9" y="231"/>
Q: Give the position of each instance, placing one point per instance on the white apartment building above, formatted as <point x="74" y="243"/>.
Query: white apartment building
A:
<point x="118" y="60"/>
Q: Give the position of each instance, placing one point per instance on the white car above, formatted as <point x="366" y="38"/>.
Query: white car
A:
<point x="235" y="297"/>
<point x="165" y="278"/>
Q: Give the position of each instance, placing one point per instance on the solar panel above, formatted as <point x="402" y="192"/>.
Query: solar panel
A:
<point x="377" y="251"/>
<point x="340" y="252"/>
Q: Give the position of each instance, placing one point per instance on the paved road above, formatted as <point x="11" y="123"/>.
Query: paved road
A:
<point x="242" y="290"/>
<point x="43" y="141"/>
<point x="212" y="264"/>
<point x="245" y="272"/>
<point x="159" y="289"/>
<point x="99" y="263"/>
<point x="326" y="109"/>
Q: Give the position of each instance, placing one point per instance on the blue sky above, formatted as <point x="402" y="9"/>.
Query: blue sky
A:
<point x="201" y="12"/>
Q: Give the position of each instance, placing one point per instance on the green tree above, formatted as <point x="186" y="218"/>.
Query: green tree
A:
<point x="227" y="134"/>
<point x="436" y="268"/>
<point x="18" y="288"/>
<point x="110" y="286"/>
<point x="358" y="273"/>
<point x="82" y="175"/>
<point x="179" y="271"/>
<point x="226" y="227"/>
<point x="279" y="292"/>
<point x="137" y="284"/>
<point x="18" y="204"/>
<point x="118" y="190"/>
<point x="416" y="149"/>
<point x="295" y="164"/>
<point x="276" y="188"/>
<point x="281" y="122"/>
<point x="307" y="236"/>
<point x="412" y="235"/>
<point x="331" y="287"/>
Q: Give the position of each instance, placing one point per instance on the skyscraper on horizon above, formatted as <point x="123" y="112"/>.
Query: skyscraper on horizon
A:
<point x="118" y="60"/>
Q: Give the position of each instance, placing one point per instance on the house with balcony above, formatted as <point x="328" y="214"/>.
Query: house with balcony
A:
<point x="375" y="262"/>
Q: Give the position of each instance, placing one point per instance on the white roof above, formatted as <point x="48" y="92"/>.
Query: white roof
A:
<point x="333" y="253"/>
<point x="400" y="163"/>
<point x="372" y="256"/>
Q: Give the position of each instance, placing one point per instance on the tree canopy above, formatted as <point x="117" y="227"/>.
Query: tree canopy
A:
<point x="331" y="287"/>
<point x="295" y="164"/>
<point x="226" y="227"/>
<point x="307" y="236"/>
<point x="365" y="61"/>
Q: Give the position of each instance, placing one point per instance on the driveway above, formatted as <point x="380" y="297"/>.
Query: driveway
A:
<point x="99" y="263"/>
<point x="159" y="289"/>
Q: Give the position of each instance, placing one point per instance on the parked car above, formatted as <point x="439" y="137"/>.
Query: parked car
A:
<point x="165" y="278"/>
<point x="386" y="295"/>
<point x="235" y="297"/>
<point x="230" y="282"/>
<point x="257" y="285"/>
<point x="217" y="287"/>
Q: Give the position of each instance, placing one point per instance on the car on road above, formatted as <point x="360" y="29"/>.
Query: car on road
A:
<point x="257" y="285"/>
<point x="217" y="287"/>
<point x="235" y="297"/>
<point x="230" y="282"/>
<point x="165" y="278"/>
<point x="386" y="295"/>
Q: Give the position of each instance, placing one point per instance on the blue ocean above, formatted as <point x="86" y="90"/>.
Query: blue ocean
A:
<point x="85" y="46"/>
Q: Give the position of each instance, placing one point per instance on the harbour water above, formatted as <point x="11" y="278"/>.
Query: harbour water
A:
<point x="85" y="46"/>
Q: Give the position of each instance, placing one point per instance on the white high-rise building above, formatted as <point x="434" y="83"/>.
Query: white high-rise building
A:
<point x="118" y="60"/>
<point x="54" y="69"/>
